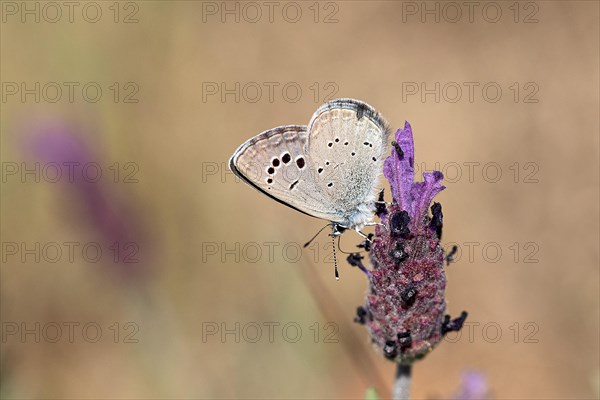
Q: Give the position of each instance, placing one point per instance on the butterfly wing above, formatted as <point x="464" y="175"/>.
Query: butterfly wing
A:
<point x="347" y="141"/>
<point x="275" y="162"/>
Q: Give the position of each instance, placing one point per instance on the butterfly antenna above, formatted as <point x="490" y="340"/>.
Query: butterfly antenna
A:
<point x="337" y="274"/>
<point x="314" y="237"/>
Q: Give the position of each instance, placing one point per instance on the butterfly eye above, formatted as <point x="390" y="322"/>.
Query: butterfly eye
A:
<point x="286" y="158"/>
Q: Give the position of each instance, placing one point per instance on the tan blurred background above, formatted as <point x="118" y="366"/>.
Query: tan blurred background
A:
<point x="198" y="251"/>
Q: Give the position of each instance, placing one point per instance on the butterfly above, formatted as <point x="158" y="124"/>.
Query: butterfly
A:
<point x="328" y="169"/>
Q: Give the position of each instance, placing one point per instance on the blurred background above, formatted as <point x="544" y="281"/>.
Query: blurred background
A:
<point x="134" y="264"/>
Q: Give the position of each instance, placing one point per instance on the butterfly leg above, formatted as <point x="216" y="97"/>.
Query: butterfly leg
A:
<point x="362" y="234"/>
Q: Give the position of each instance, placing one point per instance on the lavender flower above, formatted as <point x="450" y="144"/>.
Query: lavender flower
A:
<point x="473" y="387"/>
<point x="110" y="218"/>
<point x="405" y="307"/>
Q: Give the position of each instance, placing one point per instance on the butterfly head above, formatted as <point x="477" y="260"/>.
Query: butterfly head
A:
<point x="337" y="229"/>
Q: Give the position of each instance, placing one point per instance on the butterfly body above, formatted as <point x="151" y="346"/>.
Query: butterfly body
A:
<point x="327" y="169"/>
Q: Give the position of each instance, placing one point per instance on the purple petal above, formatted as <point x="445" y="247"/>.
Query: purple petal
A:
<point x="110" y="217"/>
<point x="399" y="171"/>
<point x="473" y="387"/>
<point x="58" y="144"/>
<point x="422" y="193"/>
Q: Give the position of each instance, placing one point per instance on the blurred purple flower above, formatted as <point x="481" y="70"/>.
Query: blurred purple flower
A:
<point x="473" y="387"/>
<point x="405" y="308"/>
<point x="59" y="144"/>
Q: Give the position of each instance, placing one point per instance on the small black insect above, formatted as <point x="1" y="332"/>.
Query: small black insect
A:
<point x="398" y="150"/>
